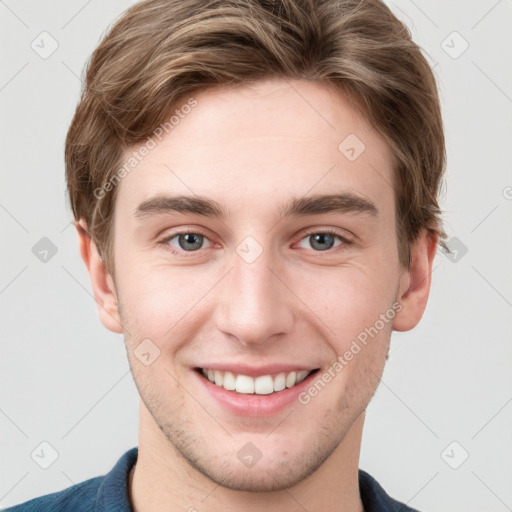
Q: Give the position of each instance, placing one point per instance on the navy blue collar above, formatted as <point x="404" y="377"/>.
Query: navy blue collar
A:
<point x="113" y="491"/>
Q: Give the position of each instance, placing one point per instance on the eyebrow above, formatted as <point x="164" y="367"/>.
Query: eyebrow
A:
<point x="180" y="204"/>
<point x="330" y="203"/>
<point x="308" y="205"/>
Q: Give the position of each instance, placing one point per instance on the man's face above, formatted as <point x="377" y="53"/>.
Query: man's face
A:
<point x="258" y="292"/>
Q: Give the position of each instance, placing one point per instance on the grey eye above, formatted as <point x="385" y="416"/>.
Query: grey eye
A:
<point x="189" y="241"/>
<point x="321" y="241"/>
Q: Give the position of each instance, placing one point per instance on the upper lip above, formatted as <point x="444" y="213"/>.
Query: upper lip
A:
<point x="256" y="371"/>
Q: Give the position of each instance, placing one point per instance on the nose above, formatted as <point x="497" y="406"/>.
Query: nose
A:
<point x="254" y="307"/>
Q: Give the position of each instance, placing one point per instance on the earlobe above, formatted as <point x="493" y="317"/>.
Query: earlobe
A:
<point x="101" y="281"/>
<point x="415" y="283"/>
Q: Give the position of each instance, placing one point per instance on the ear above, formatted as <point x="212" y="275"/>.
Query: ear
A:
<point x="415" y="282"/>
<point x="102" y="282"/>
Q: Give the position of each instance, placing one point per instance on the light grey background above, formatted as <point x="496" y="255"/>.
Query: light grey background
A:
<point x="65" y="379"/>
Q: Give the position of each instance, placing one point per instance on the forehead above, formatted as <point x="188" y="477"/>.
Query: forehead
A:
<point x="262" y="143"/>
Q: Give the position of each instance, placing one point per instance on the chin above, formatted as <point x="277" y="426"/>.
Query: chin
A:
<point x="263" y="477"/>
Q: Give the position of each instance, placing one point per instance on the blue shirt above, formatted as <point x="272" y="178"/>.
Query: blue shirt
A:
<point x="109" y="493"/>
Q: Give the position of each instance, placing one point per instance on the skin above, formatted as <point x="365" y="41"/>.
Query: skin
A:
<point x="252" y="149"/>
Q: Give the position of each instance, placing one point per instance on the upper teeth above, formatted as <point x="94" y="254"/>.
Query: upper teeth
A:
<point x="263" y="385"/>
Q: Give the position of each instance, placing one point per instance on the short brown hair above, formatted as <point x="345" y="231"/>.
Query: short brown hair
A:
<point x="161" y="51"/>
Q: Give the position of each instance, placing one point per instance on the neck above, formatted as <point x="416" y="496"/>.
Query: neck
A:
<point x="162" y="477"/>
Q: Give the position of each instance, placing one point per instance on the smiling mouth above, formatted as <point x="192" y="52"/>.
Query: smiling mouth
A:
<point x="262" y="385"/>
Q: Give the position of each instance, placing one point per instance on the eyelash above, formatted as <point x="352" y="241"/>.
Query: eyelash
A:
<point x="344" y="241"/>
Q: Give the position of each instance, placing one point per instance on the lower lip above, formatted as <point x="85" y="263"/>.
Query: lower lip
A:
<point x="252" y="404"/>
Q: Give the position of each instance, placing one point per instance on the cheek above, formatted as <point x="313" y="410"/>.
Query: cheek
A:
<point x="347" y="300"/>
<point x="159" y="302"/>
